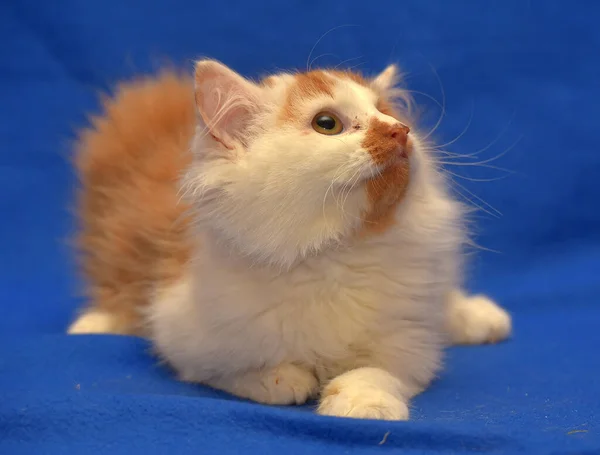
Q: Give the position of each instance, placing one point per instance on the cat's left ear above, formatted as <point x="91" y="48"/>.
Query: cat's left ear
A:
<point x="386" y="80"/>
<point x="226" y="101"/>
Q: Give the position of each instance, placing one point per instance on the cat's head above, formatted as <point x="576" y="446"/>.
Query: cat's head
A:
<point x="295" y="163"/>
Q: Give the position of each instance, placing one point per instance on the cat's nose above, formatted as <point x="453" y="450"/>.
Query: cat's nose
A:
<point x="400" y="133"/>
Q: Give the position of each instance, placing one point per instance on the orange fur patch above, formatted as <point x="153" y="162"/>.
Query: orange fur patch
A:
<point x="387" y="189"/>
<point x="350" y="75"/>
<point x="379" y="141"/>
<point x="132" y="227"/>
<point x="385" y="193"/>
<point x="306" y="85"/>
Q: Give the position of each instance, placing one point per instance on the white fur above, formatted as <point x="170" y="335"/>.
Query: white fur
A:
<point x="476" y="320"/>
<point x="367" y="393"/>
<point x="281" y="294"/>
<point x="284" y="384"/>
<point x="93" y="321"/>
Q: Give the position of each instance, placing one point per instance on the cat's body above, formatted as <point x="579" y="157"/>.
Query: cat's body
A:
<point x="287" y="259"/>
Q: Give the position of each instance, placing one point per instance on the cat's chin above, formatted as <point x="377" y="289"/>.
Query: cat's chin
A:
<point x="376" y="170"/>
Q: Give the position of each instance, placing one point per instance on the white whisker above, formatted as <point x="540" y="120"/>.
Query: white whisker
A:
<point x="472" y="179"/>
<point x="486" y="166"/>
<point x="355" y="66"/>
<point x="439" y="122"/>
<point x="351" y="183"/>
<point x="496" y="213"/>
<point x="355" y="180"/>
<point x="426" y="96"/>
<point x="323" y="36"/>
<point x="336" y="176"/>
<point x="346" y="61"/>
<point x="494" y="158"/>
<point x="462" y="133"/>
<point x="496" y="139"/>
<point x="312" y="62"/>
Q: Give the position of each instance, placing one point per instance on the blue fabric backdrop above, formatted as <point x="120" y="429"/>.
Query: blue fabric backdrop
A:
<point x="523" y="75"/>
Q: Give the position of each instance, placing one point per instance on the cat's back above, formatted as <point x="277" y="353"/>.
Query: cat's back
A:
<point x="129" y="161"/>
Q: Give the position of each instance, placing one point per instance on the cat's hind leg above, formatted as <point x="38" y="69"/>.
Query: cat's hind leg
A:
<point x="97" y="321"/>
<point x="476" y="319"/>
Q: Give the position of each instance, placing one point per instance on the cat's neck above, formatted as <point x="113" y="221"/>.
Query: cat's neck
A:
<point x="224" y="254"/>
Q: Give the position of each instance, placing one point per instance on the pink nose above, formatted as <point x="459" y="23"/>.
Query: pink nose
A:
<point x="400" y="133"/>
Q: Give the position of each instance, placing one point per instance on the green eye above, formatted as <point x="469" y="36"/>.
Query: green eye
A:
<point x="327" y="123"/>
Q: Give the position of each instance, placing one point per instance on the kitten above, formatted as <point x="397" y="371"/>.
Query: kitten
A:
<point x="280" y="240"/>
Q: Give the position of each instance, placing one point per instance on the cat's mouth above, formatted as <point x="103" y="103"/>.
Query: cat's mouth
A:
<point x="371" y="170"/>
<point x="402" y="153"/>
<point x="399" y="158"/>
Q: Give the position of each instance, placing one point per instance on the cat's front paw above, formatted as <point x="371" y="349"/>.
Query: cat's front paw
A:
<point x="364" y="393"/>
<point x="362" y="404"/>
<point x="283" y="385"/>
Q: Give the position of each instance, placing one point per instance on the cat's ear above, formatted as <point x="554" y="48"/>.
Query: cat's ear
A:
<point x="226" y="102"/>
<point x="386" y="80"/>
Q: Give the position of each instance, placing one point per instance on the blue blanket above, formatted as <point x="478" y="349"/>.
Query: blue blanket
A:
<point x="519" y="83"/>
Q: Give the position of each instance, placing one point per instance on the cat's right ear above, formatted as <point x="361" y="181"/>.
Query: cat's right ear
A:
<point x="226" y="102"/>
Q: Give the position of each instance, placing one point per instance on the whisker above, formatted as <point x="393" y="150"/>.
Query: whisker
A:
<point x="473" y="244"/>
<point x="346" y="61"/>
<point x="497" y="213"/>
<point x="355" y="66"/>
<point x="394" y="48"/>
<point x="336" y="198"/>
<point x="470" y="202"/>
<point x="356" y="181"/>
<point x="471" y="179"/>
<point x="500" y="134"/>
<point x="500" y="155"/>
<point x="323" y="36"/>
<point x="489" y="160"/>
<point x="348" y="184"/>
<point x="486" y="166"/>
<point x="437" y="151"/>
<point x="450" y="156"/>
<point x="425" y="95"/>
<point x="338" y="174"/>
<point x="438" y="123"/>
<point x="462" y="133"/>
<point x="497" y="138"/>
<point x="312" y="62"/>
<point x="349" y="187"/>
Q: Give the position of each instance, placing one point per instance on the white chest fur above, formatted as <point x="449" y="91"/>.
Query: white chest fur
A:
<point x="377" y="302"/>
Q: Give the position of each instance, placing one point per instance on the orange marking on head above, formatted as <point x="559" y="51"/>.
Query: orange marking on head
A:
<point x="350" y="75"/>
<point x="306" y="85"/>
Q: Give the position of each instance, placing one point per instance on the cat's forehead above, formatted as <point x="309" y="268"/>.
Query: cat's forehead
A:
<point x="329" y="76"/>
<point x="295" y="91"/>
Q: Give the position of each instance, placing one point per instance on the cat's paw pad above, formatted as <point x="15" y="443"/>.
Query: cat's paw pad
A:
<point x="480" y="320"/>
<point x="360" y="403"/>
<point x="284" y="385"/>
